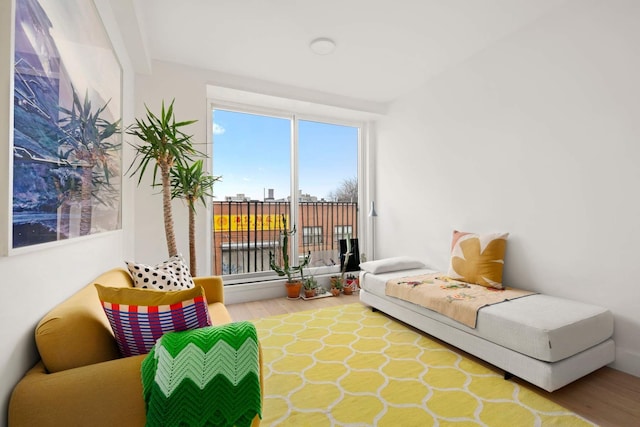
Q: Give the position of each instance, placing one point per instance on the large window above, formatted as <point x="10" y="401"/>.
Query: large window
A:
<point x="275" y="167"/>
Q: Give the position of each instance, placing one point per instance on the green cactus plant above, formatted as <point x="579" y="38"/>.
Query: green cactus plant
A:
<point x="286" y="269"/>
<point x="293" y="284"/>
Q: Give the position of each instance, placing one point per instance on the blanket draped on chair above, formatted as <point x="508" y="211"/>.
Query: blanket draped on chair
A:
<point x="203" y="377"/>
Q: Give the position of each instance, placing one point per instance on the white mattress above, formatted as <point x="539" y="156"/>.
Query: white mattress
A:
<point x="540" y="326"/>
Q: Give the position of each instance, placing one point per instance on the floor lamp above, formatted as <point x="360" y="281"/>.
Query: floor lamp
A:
<point x="373" y="214"/>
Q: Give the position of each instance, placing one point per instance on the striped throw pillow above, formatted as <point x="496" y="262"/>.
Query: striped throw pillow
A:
<point x="138" y="317"/>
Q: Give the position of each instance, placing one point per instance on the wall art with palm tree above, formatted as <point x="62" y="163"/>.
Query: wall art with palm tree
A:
<point x="67" y="139"/>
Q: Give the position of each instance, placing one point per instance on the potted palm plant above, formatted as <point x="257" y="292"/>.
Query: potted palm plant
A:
<point x="293" y="283"/>
<point x="192" y="183"/>
<point x="164" y="145"/>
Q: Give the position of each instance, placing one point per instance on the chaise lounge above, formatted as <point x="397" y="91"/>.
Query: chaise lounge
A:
<point x="547" y="341"/>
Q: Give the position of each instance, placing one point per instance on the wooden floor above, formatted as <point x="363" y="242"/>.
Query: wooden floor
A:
<point x="606" y="397"/>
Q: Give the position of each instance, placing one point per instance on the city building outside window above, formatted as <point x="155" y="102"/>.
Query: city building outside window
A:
<point x="311" y="236"/>
<point x="342" y="232"/>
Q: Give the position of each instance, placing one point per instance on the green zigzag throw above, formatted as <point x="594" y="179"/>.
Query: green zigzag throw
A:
<point x="204" y="377"/>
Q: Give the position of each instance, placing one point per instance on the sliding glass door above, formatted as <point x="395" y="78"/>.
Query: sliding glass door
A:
<point x="328" y="182"/>
<point x="278" y="168"/>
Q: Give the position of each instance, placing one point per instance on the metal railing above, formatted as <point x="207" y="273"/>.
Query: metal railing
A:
<point x="245" y="232"/>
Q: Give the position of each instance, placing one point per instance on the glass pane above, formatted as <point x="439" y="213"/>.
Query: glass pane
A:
<point x="252" y="154"/>
<point x="328" y="181"/>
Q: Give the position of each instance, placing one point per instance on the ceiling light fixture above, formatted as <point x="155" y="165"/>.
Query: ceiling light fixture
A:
<point x="322" y="46"/>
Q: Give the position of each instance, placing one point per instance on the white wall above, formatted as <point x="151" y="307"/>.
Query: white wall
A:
<point x="34" y="282"/>
<point x="538" y="136"/>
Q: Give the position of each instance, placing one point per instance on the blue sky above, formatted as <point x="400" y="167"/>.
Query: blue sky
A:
<point x="251" y="152"/>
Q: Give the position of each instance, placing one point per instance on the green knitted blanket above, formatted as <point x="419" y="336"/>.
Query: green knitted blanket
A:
<point x="203" y="377"/>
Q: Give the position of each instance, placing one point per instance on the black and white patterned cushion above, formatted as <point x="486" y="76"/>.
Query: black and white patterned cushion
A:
<point x="171" y="275"/>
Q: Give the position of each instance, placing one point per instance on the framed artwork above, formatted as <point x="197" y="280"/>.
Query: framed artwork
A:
<point x="67" y="134"/>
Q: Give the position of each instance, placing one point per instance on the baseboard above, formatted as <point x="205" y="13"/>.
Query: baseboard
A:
<point x="627" y="361"/>
<point x="255" y="291"/>
<point x="247" y="292"/>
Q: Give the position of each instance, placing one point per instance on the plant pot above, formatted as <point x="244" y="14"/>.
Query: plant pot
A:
<point x="347" y="290"/>
<point x="335" y="292"/>
<point x="293" y="289"/>
<point x="353" y="285"/>
<point x="309" y="293"/>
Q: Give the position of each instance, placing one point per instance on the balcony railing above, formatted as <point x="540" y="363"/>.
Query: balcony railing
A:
<point x="245" y="232"/>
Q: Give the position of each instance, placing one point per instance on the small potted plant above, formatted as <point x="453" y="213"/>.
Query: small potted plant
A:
<point x="339" y="283"/>
<point x="333" y="280"/>
<point x="351" y="284"/>
<point x="336" y="286"/>
<point x="293" y="284"/>
<point x="310" y="285"/>
<point x="347" y="288"/>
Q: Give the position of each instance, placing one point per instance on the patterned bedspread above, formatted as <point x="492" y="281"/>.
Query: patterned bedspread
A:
<point x="459" y="301"/>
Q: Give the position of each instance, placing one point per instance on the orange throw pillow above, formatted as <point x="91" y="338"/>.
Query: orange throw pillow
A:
<point x="478" y="258"/>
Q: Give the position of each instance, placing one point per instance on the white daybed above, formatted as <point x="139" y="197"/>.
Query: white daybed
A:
<point x="544" y="340"/>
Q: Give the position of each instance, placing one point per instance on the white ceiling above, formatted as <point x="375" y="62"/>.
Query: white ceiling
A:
<point x="384" y="48"/>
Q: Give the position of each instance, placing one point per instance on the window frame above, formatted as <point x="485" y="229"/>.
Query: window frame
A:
<point x="363" y="132"/>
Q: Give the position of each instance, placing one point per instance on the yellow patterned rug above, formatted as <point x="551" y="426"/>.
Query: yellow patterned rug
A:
<point x="349" y="366"/>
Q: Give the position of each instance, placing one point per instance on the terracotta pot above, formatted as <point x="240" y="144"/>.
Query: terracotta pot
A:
<point x="335" y="292"/>
<point x="353" y="284"/>
<point x="309" y="293"/>
<point x="293" y="289"/>
<point x="347" y="290"/>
